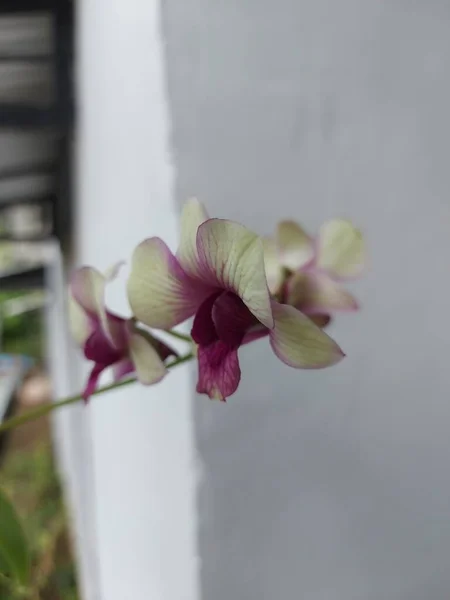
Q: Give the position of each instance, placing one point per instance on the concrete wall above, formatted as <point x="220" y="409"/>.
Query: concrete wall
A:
<point x="328" y="485"/>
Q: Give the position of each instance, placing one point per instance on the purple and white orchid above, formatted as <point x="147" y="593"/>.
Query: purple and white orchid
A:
<point x="308" y="272"/>
<point x="218" y="277"/>
<point x="107" y="339"/>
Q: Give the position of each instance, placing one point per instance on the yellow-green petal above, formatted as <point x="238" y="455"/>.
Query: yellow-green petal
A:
<point x="340" y="249"/>
<point x="148" y="365"/>
<point x="299" y="343"/>
<point x="160" y="293"/>
<point x="318" y="293"/>
<point x="274" y="270"/>
<point x="295" y="246"/>
<point x="88" y="288"/>
<point x="232" y="257"/>
<point x="79" y="322"/>
<point x="192" y="216"/>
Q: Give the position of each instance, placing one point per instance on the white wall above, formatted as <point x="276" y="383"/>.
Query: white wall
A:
<point x="329" y="485"/>
<point x="141" y="438"/>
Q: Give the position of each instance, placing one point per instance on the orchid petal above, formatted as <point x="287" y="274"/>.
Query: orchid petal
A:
<point x="192" y="216"/>
<point x="254" y="334"/>
<point x="219" y="373"/>
<point x="320" y="320"/>
<point x="203" y="331"/>
<point x="88" y="289"/>
<point x="232" y="258"/>
<point x="99" y="348"/>
<point x="80" y="324"/>
<point x="148" y="365"/>
<point x="123" y="368"/>
<point x="299" y="343"/>
<point x="160" y="293"/>
<point x="91" y="385"/>
<point x="315" y="293"/>
<point x="295" y="246"/>
<point x="274" y="271"/>
<point x="232" y="319"/>
<point x="113" y="326"/>
<point x="113" y="271"/>
<point x="164" y="350"/>
<point x="341" y="249"/>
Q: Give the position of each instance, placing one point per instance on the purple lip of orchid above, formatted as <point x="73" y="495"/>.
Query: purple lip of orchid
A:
<point x="218" y="276"/>
<point x="220" y="326"/>
<point x="99" y="349"/>
<point x="109" y="340"/>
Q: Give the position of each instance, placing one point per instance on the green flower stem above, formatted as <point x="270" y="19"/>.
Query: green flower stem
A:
<point x="179" y="336"/>
<point x="41" y="411"/>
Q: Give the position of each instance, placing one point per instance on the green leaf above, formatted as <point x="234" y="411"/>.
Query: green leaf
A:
<point x="14" y="554"/>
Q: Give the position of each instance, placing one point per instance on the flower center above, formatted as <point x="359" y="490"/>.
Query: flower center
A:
<point x="99" y="349"/>
<point x="222" y="317"/>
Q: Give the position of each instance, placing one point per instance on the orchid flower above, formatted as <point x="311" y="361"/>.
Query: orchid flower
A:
<point x="218" y="277"/>
<point x="307" y="273"/>
<point x="107" y="339"/>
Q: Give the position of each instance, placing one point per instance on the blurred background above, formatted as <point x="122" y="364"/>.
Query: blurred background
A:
<point x="36" y="118"/>
<point x="328" y="485"/>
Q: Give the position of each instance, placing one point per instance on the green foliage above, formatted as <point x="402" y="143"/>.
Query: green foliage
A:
<point x="21" y="334"/>
<point x="14" y="555"/>
<point x="31" y="481"/>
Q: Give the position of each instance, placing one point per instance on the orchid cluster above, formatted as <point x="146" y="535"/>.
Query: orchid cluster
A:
<point x="237" y="286"/>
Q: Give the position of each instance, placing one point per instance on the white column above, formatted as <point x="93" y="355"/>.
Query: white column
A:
<point x="142" y="438"/>
<point x="70" y="427"/>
